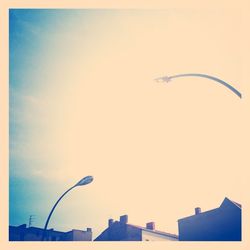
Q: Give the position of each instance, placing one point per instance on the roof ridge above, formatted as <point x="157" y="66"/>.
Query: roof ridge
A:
<point x="154" y="231"/>
<point x="234" y="202"/>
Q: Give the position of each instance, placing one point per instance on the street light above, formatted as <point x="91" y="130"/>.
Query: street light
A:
<point x="84" y="181"/>
<point x="169" y="78"/>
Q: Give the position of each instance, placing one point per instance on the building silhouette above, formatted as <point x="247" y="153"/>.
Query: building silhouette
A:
<point x="219" y="224"/>
<point x="122" y="231"/>
<point x="24" y="233"/>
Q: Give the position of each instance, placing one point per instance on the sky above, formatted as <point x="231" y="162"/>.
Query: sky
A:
<point x="83" y="101"/>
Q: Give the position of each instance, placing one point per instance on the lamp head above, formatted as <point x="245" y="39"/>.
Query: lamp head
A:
<point x="163" y="79"/>
<point x="84" y="181"/>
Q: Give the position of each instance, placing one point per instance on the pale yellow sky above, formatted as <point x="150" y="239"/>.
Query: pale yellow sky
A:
<point x="156" y="150"/>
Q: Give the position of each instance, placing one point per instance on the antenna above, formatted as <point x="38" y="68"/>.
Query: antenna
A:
<point x="31" y="219"/>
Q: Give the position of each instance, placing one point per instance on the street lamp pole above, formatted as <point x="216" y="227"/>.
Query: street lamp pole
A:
<point x="227" y="85"/>
<point x="86" y="180"/>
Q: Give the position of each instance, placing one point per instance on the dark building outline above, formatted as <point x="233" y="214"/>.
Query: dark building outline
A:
<point x="24" y="233"/>
<point x="219" y="224"/>
<point x="123" y="231"/>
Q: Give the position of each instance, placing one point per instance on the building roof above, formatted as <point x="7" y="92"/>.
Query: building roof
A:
<point x="200" y="214"/>
<point x="231" y="201"/>
<point x="122" y="230"/>
<point x="225" y="202"/>
<point x="155" y="231"/>
<point x="24" y="226"/>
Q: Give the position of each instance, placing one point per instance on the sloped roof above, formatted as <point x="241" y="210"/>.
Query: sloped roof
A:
<point x="155" y="231"/>
<point x="227" y="200"/>
<point x="224" y="203"/>
<point x="235" y="203"/>
<point x="200" y="214"/>
<point x="104" y="234"/>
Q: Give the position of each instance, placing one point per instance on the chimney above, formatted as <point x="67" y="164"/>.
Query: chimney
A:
<point x="150" y="225"/>
<point x="197" y="210"/>
<point x="89" y="229"/>
<point x="124" y="219"/>
<point x="111" y="221"/>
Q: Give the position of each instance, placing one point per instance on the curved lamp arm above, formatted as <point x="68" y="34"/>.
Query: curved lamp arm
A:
<point x="51" y="212"/>
<point x="168" y="78"/>
<point x="84" y="181"/>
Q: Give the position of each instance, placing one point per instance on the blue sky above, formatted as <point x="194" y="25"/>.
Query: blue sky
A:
<point x="32" y="37"/>
<point x="83" y="102"/>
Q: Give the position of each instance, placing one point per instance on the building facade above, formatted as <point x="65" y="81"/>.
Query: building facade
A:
<point x="220" y="224"/>
<point x="24" y="233"/>
<point x="122" y="231"/>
